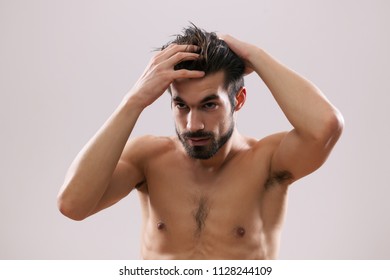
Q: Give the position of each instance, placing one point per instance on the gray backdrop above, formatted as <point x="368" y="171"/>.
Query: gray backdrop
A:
<point x="65" y="66"/>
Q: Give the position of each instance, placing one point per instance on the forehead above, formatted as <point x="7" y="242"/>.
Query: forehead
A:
<point x="194" y="90"/>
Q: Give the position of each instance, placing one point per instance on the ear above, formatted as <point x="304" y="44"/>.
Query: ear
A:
<point x="240" y="99"/>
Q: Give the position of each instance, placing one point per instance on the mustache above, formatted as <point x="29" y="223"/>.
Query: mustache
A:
<point x="197" y="134"/>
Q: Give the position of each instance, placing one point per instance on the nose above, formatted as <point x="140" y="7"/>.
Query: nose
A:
<point x="194" y="121"/>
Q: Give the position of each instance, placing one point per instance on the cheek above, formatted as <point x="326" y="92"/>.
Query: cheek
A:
<point x="178" y="120"/>
<point x="224" y="123"/>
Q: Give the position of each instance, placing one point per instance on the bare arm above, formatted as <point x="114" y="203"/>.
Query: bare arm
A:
<point x="100" y="175"/>
<point x="91" y="171"/>
<point x="317" y="123"/>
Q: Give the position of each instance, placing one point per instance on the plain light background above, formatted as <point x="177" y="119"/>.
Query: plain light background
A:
<point x="65" y="66"/>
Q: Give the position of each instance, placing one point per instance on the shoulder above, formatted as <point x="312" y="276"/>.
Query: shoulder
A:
<point x="148" y="144"/>
<point x="143" y="147"/>
<point x="274" y="139"/>
<point x="259" y="152"/>
<point x="268" y="143"/>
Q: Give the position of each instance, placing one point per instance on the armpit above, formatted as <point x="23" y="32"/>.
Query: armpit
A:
<point x="139" y="185"/>
<point x="280" y="177"/>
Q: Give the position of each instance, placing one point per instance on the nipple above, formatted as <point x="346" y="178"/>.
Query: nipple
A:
<point x="240" y="231"/>
<point x="160" y="226"/>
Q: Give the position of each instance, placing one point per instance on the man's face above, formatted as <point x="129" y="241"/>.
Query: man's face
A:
<point x="203" y="115"/>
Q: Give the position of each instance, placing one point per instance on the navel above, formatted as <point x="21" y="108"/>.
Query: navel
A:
<point x="240" y="231"/>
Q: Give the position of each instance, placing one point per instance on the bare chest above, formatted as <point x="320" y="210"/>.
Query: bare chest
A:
<point x="185" y="201"/>
<point x="209" y="214"/>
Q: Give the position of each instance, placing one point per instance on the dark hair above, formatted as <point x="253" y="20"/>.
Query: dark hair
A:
<point x="215" y="55"/>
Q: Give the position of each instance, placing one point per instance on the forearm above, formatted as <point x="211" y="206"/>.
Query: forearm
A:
<point x="307" y="109"/>
<point x="90" y="173"/>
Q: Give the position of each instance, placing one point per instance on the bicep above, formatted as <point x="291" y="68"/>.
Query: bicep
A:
<point x="298" y="155"/>
<point x="127" y="174"/>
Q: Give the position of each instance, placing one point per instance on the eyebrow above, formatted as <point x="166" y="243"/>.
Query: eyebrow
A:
<point x="209" y="98"/>
<point x="178" y="99"/>
<point x="204" y="100"/>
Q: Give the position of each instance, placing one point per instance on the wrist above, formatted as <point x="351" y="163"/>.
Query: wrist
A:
<point x="136" y="98"/>
<point x="133" y="102"/>
<point x="259" y="59"/>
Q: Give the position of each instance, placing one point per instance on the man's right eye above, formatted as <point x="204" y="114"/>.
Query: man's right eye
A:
<point x="181" y="105"/>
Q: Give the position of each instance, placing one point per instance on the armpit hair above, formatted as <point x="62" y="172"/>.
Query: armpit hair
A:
<point x="279" y="177"/>
<point x="139" y="185"/>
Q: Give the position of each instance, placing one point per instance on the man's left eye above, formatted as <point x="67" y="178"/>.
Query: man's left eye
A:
<point x="210" y="105"/>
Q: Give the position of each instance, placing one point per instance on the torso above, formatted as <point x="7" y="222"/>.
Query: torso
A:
<point x="235" y="212"/>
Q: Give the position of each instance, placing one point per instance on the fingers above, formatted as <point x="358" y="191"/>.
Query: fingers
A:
<point x="179" y="57"/>
<point x="175" y="54"/>
<point x="173" y="49"/>
<point x="188" y="74"/>
<point x="242" y="49"/>
<point x="222" y="36"/>
<point x="226" y="37"/>
<point x="187" y="48"/>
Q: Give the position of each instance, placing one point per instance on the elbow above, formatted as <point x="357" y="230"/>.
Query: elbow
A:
<point x="68" y="209"/>
<point x="336" y="123"/>
<point x="333" y="127"/>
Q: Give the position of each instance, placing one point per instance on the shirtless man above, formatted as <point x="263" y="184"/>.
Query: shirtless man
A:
<point x="208" y="192"/>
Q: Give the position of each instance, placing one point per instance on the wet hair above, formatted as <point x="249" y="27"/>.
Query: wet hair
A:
<point x="215" y="56"/>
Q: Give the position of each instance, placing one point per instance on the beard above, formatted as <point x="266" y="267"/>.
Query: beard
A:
<point x="204" y="151"/>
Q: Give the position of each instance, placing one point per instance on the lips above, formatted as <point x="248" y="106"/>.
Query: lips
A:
<point x="198" y="141"/>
